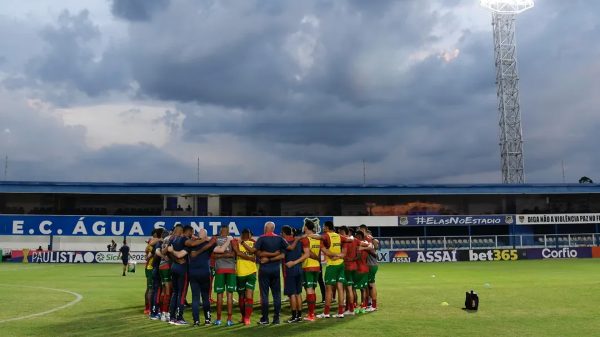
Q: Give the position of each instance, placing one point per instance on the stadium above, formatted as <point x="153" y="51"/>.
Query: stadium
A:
<point x="520" y="247"/>
<point x="299" y="168"/>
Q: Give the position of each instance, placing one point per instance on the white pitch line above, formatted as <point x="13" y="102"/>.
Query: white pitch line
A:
<point x="78" y="297"/>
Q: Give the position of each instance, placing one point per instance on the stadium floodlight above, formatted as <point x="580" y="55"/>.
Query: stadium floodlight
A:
<point x="504" y="14"/>
<point x="507" y="6"/>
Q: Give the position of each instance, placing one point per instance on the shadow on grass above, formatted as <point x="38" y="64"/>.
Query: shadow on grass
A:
<point x="130" y="321"/>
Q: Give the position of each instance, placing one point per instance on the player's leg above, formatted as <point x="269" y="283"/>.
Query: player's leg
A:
<point x="298" y="297"/>
<point x="125" y="262"/>
<point x="322" y="286"/>
<point x="205" y="291"/>
<point x="287" y="291"/>
<point x="250" y="284"/>
<point x="183" y="288"/>
<point x="148" y="293"/>
<point x="241" y="289"/>
<point x="230" y="284"/>
<point x="311" y="297"/>
<point x="219" y="281"/>
<point x="263" y="282"/>
<point x="373" y="287"/>
<point x="156" y="294"/>
<point x="195" y="286"/>
<point x="173" y="303"/>
<point x="349" y="282"/>
<point x="275" y="284"/>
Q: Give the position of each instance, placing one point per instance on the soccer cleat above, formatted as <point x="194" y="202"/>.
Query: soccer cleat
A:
<point x="180" y="322"/>
<point x="323" y="315"/>
<point x="207" y="322"/>
<point x="291" y="320"/>
<point x="338" y="316"/>
<point x="163" y="317"/>
<point x="218" y="322"/>
<point x="370" y="309"/>
<point x="275" y="322"/>
<point x="154" y="317"/>
<point x="196" y="323"/>
<point x="349" y="313"/>
<point x="310" y="318"/>
<point x="246" y="321"/>
<point x="261" y="322"/>
<point x="230" y="322"/>
<point x="146" y="311"/>
<point x="172" y="322"/>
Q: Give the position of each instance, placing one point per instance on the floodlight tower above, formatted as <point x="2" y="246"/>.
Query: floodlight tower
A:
<point x="504" y="13"/>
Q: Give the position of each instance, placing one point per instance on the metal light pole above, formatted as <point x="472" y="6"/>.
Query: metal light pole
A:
<point x="504" y="14"/>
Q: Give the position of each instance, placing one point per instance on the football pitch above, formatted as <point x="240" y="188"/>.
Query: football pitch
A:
<point x="520" y="298"/>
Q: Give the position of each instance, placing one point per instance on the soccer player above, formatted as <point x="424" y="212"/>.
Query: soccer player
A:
<point x="270" y="248"/>
<point x="311" y="267"/>
<point x="200" y="251"/>
<point x="331" y="246"/>
<point x="372" y="263"/>
<point x="362" y="271"/>
<point x="148" y="270"/>
<point x="164" y="269"/>
<point x="179" y="276"/>
<point x="124" y="255"/>
<point x="246" y="274"/>
<point x="225" y="278"/>
<point x="350" y="245"/>
<point x="156" y="280"/>
<point x="294" y="256"/>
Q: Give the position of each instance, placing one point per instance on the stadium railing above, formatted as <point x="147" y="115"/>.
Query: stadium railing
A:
<point x="490" y="241"/>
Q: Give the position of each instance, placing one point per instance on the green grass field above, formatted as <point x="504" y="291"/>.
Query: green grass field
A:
<point x="523" y="298"/>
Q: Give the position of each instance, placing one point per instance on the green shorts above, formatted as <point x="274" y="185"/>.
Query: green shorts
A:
<point x="246" y="282"/>
<point x="165" y="275"/>
<point x="349" y="277"/>
<point x="372" y="273"/>
<point x="361" y="280"/>
<point x="334" y="274"/>
<point x="149" y="278"/>
<point x="223" y="281"/>
<point x="311" y="278"/>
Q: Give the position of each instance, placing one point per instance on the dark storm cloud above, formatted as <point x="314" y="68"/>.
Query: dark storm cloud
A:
<point x="69" y="60"/>
<point x="325" y="84"/>
<point x="137" y="10"/>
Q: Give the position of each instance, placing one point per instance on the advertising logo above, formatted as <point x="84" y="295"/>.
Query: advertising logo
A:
<point x="400" y="257"/>
<point x="437" y="256"/>
<point x="564" y="253"/>
<point x="493" y="255"/>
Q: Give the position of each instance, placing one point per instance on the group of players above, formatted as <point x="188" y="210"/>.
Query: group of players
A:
<point x="179" y="258"/>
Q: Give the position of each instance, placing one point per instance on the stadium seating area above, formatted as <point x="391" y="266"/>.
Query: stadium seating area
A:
<point x="581" y="240"/>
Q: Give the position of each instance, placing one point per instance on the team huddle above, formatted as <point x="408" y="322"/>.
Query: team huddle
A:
<point x="229" y="265"/>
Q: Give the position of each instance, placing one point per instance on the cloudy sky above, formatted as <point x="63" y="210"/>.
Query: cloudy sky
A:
<point x="290" y="91"/>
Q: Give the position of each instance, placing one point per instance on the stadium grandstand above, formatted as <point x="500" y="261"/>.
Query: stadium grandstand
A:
<point x="423" y="216"/>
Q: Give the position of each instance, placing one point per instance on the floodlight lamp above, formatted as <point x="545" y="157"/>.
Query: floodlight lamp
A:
<point x="507" y="6"/>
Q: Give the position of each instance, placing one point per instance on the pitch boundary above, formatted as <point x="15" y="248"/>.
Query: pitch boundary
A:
<point x="78" y="297"/>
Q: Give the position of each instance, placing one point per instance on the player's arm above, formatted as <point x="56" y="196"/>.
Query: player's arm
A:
<point x="292" y="245"/>
<point x="210" y="245"/>
<point x="158" y="252"/>
<point x="278" y="257"/>
<point x="248" y="248"/>
<point x="177" y="253"/>
<point x="194" y="242"/>
<point x="305" y="255"/>
<point x="223" y="247"/>
<point x="239" y="254"/>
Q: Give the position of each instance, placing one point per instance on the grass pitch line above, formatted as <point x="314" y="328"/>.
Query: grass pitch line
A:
<point x="78" y="297"/>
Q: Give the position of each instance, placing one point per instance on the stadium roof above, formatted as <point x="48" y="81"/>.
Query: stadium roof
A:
<point x="289" y="189"/>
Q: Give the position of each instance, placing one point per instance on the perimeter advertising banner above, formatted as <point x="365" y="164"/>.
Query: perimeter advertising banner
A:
<point x="34" y="256"/>
<point x="137" y="226"/>
<point x="462" y="255"/>
<point x="456" y="220"/>
<point x="552" y="219"/>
